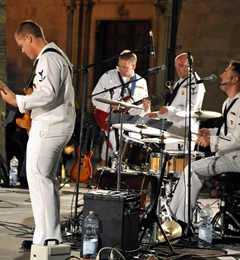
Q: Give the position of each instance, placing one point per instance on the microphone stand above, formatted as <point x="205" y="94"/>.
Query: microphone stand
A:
<point x="189" y="141"/>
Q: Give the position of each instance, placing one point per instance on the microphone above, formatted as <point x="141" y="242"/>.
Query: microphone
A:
<point x="152" y="49"/>
<point x="163" y="67"/>
<point x="209" y="78"/>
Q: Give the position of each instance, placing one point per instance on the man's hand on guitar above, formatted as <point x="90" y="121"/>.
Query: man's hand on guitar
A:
<point x="146" y="104"/>
<point x="7" y="95"/>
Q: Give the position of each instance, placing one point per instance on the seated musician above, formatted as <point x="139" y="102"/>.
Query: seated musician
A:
<point x="133" y="90"/>
<point x="224" y="141"/>
<point x="179" y="101"/>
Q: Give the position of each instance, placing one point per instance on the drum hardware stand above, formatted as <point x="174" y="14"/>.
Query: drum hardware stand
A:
<point x="189" y="228"/>
<point x="151" y="216"/>
<point x="120" y="151"/>
<point x="166" y="199"/>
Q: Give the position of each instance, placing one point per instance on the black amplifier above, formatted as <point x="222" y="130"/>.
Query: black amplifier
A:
<point x="118" y="214"/>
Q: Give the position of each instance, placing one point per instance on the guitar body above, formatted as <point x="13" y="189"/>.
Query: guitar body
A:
<point x="101" y="117"/>
<point x="86" y="169"/>
<point x="24" y="122"/>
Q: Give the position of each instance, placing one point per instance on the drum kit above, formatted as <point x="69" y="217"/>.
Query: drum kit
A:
<point x="139" y="155"/>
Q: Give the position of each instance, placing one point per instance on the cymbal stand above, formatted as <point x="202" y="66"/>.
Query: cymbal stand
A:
<point x="165" y="199"/>
<point x="120" y="150"/>
<point x="147" y="221"/>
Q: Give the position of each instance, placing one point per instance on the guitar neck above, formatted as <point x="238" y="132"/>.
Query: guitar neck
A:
<point x="86" y="137"/>
<point x="160" y="94"/>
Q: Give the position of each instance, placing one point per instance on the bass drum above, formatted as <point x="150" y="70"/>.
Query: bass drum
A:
<point x="145" y="184"/>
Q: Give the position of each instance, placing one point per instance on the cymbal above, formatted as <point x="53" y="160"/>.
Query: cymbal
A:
<point x="200" y="114"/>
<point x="146" y="130"/>
<point x="166" y="140"/>
<point x="117" y="103"/>
<point x="141" y="129"/>
<point x="172" y="230"/>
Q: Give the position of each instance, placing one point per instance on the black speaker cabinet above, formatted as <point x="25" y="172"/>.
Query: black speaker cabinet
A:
<point x="118" y="215"/>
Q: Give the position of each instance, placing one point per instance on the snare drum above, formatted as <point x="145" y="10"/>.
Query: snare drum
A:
<point x="134" y="153"/>
<point x="179" y="160"/>
<point x="177" y="163"/>
<point x="155" y="162"/>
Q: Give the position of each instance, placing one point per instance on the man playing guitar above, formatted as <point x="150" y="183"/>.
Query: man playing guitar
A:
<point x="132" y="91"/>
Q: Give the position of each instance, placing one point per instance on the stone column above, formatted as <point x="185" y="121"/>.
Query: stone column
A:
<point x="3" y="78"/>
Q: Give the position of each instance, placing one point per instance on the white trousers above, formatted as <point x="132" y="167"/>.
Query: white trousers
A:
<point x="43" y="156"/>
<point x="200" y="170"/>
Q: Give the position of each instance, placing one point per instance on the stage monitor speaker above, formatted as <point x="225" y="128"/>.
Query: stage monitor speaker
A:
<point x="118" y="215"/>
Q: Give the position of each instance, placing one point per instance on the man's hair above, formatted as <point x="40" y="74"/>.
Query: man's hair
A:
<point x="29" y="27"/>
<point x="184" y="54"/>
<point x="127" y="55"/>
<point x="236" y="66"/>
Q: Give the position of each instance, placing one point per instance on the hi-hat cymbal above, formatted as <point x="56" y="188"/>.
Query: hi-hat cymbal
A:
<point x="199" y="114"/>
<point x="172" y="230"/>
<point x="166" y="140"/>
<point x="117" y="103"/>
<point x="146" y="130"/>
<point x="143" y="129"/>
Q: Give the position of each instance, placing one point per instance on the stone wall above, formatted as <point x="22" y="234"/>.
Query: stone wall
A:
<point x="209" y="30"/>
<point x="3" y="78"/>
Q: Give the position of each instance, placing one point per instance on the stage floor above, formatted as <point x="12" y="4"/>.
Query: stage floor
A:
<point x="17" y="224"/>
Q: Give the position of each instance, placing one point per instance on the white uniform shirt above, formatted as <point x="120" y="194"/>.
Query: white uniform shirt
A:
<point x="52" y="101"/>
<point x="181" y="103"/>
<point x="111" y="79"/>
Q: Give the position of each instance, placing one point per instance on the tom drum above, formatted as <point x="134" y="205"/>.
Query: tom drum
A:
<point x="178" y="161"/>
<point x="134" y="153"/>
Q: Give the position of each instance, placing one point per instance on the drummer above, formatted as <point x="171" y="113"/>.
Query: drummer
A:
<point x="179" y="101"/>
<point x="132" y="91"/>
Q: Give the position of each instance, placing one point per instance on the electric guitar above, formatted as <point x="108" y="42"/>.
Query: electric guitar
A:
<point x="101" y="115"/>
<point x="86" y="169"/>
<point x="24" y="122"/>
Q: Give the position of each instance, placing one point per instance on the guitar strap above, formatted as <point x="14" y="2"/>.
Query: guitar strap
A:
<point x="125" y="85"/>
<point x="174" y="93"/>
<point x="30" y="80"/>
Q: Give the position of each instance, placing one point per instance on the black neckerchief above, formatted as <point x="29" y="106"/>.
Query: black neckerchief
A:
<point x="174" y="93"/>
<point x="224" y="118"/>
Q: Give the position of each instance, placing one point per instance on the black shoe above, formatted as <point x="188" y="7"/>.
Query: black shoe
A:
<point x="191" y="231"/>
<point x="183" y="225"/>
<point x="26" y="244"/>
<point x="187" y="231"/>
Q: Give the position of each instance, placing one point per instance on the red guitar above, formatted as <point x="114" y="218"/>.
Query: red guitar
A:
<point x="86" y="169"/>
<point x="101" y="115"/>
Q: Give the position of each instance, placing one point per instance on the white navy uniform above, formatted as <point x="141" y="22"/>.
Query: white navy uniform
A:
<point x="53" y="119"/>
<point x="181" y="103"/>
<point x="227" y="158"/>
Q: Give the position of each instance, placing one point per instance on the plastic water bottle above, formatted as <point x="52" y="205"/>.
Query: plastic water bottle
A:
<point x="13" y="173"/>
<point x="90" y="238"/>
<point x="205" y="228"/>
